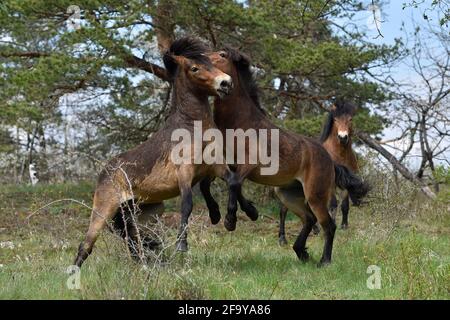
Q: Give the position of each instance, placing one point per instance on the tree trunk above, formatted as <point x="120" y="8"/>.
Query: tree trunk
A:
<point x="165" y="26"/>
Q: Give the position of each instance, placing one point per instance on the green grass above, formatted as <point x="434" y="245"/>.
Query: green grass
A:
<point x="407" y="237"/>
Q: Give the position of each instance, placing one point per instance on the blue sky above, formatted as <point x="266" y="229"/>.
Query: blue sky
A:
<point x="397" y="22"/>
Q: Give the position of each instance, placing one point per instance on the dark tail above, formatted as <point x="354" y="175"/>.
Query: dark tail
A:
<point x="347" y="180"/>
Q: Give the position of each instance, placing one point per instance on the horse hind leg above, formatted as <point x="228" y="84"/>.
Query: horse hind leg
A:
<point x="282" y="230"/>
<point x="315" y="229"/>
<point x="147" y="220"/>
<point x="122" y="226"/>
<point x="320" y="210"/>
<point x="300" y="244"/>
<point x="128" y="223"/>
<point x="105" y="207"/>
<point x="333" y="207"/>
<point x="345" y="205"/>
<point x="293" y="198"/>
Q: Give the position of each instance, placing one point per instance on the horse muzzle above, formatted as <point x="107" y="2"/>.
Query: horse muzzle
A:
<point x="343" y="139"/>
<point x="223" y="85"/>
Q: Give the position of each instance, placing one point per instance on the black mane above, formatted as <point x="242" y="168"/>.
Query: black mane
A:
<point x="327" y="127"/>
<point x="342" y="108"/>
<point x="187" y="47"/>
<point x="243" y="63"/>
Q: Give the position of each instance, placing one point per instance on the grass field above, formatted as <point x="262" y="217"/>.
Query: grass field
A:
<point x="407" y="237"/>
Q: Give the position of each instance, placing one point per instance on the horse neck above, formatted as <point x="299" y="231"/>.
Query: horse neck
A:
<point x="236" y="108"/>
<point x="333" y="146"/>
<point x="190" y="105"/>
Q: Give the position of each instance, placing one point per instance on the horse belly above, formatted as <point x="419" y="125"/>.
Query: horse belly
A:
<point x="161" y="184"/>
<point x="283" y="177"/>
<point x="294" y="199"/>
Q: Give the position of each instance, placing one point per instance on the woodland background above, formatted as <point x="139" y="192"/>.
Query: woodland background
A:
<point x="80" y="82"/>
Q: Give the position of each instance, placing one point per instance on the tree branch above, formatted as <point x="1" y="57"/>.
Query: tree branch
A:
<point x="373" y="144"/>
<point x="135" y="62"/>
<point x="23" y="54"/>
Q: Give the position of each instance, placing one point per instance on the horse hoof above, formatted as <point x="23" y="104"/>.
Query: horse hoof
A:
<point x="344" y="226"/>
<point x="323" y="263"/>
<point x="182" y="247"/>
<point x="316" y="230"/>
<point x="303" y="255"/>
<point x="230" y="223"/>
<point x="251" y="212"/>
<point x="215" y="217"/>
<point x="282" y="241"/>
<point x="150" y="244"/>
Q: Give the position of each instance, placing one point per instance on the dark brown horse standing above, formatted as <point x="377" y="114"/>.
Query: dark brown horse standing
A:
<point x="303" y="163"/>
<point x="147" y="173"/>
<point x="336" y="138"/>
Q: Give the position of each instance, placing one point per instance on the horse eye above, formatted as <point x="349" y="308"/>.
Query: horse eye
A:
<point x="194" y="69"/>
<point x="223" y="54"/>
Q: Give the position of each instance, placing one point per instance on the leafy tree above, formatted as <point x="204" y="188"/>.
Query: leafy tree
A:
<point x="105" y="56"/>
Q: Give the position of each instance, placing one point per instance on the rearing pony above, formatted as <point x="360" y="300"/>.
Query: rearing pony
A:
<point x="147" y="173"/>
<point x="336" y="138"/>
<point x="303" y="163"/>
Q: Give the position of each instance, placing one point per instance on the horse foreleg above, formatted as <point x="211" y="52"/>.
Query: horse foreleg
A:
<point x="211" y="203"/>
<point x="186" y="209"/>
<point x="185" y="177"/>
<point x="246" y="205"/>
<point x="233" y="181"/>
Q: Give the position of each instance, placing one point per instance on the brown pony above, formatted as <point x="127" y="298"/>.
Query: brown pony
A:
<point x="303" y="163"/>
<point x="336" y="138"/>
<point x="147" y="173"/>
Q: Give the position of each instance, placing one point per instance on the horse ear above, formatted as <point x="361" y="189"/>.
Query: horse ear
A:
<point x="179" y="60"/>
<point x="237" y="57"/>
<point x="171" y="62"/>
<point x="244" y="59"/>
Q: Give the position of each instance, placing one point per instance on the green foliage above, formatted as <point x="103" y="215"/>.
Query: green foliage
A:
<point x="48" y="55"/>
<point x="6" y="142"/>
<point x="441" y="175"/>
<point x="371" y="123"/>
<point x="309" y="126"/>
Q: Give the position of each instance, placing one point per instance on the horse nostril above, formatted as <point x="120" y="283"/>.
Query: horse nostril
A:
<point x="225" y="84"/>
